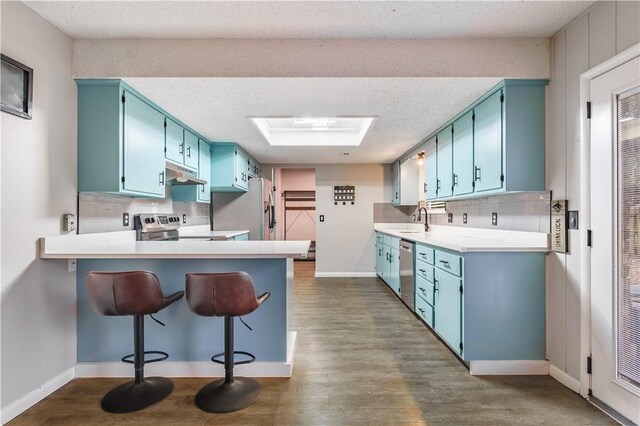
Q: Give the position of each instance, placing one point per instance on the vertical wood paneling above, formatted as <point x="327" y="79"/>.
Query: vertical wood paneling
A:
<point x="627" y="24"/>
<point x="602" y="41"/>
<point x="577" y="48"/>
<point x="556" y="182"/>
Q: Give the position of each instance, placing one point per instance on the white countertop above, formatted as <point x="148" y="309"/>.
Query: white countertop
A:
<point x="204" y="232"/>
<point x="122" y="245"/>
<point x="464" y="239"/>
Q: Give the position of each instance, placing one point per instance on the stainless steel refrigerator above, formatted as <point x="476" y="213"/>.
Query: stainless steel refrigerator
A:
<point x="253" y="210"/>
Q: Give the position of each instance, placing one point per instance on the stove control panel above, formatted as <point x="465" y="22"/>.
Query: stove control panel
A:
<point x="152" y="222"/>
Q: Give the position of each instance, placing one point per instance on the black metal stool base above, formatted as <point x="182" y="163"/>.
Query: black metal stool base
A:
<point x="224" y="397"/>
<point x="131" y="396"/>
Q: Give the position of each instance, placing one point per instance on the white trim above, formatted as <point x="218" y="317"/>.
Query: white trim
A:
<point x="519" y="367"/>
<point x="564" y="378"/>
<point x="184" y="369"/>
<point x="22" y="404"/>
<point x="585" y="206"/>
<point x="345" y="274"/>
<point x="292" y="338"/>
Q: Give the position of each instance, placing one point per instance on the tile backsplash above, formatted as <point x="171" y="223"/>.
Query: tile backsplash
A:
<point x="525" y="211"/>
<point x="100" y="212"/>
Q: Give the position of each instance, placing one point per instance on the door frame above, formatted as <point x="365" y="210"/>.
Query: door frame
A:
<point x="585" y="206"/>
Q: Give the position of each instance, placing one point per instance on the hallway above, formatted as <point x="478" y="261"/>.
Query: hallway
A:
<point x="361" y="359"/>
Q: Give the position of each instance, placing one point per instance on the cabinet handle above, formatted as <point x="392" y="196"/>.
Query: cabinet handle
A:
<point x="422" y="254"/>
<point x="396" y="195"/>
<point x="438" y="185"/>
<point x="421" y="310"/>
<point x="422" y="289"/>
<point x="422" y="270"/>
<point x="424" y="185"/>
<point x="476" y="173"/>
<point x="436" y="287"/>
<point x="188" y="152"/>
<point x="181" y="149"/>
<point x="202" y="189"/>
<point x="379" y="252"/>
<point x="161" y="178"/>
<point x="387" y="257"/>
<point x="455" y="179"/>
<point x="444" y="262"/>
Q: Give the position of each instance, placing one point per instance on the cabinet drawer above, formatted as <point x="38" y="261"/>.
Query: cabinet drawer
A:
<point x="424" y="289"/>
<point x="424" y="311"/>
<point x="448" y="262"/>
<point x="424" y="270"/>
<point x="424" y="253"/>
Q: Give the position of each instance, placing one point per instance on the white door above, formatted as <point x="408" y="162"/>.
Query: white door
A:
<point x="615" y="253"/>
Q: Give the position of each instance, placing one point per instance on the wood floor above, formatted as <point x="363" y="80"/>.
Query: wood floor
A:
<point x="361" y="359"/>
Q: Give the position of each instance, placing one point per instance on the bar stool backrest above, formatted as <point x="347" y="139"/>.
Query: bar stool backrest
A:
<point x="125" y="293"/>
<point x="229" y="294"/>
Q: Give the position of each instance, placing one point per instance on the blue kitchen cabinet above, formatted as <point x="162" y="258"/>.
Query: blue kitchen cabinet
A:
<point x="487" y="150"/>
<point x="120" y="141"/>
<point x="395" y="185"/>
<point x="463" y="155"/>
<point x="382" y="265"/>
<point x="229" y="168"/>
<point x="174" y="142"/>
<point x="430" y="170"/>
<point x="394" y="269"/>
<point x="445" y="162"/>
<point x="241" y="237"/>
<point x="448" y="309"/>
<point x="255" y="168"/>
<point x="197" y="193"/>
<point x="388" y="260"/>
<point x="190" y="150"/>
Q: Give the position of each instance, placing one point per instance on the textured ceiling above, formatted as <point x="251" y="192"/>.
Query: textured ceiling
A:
<point x="308" y="19"/>
<point x="408" y="110"/>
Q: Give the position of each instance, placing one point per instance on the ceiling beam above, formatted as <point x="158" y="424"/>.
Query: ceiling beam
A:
<point x="499" y="57"/>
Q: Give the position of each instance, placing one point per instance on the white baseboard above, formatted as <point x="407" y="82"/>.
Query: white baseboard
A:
<point x="292" y="337"/>
<point x="184" y="369"/>
<point x="20" y="405"/>
<point x="345" y="274"/>
<point x="519" y="367"/>
<point x="564" y="378"/>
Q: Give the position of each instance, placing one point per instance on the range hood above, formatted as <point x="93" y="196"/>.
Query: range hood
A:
<point x="178" y="175"/>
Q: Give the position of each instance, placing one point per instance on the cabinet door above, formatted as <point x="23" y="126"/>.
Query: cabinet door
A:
<point x="381" y="263"/>
<point x="487" y="149"/>
<point x="395" y="187"/>
<point x="190" y="150"/>
<point x="174" y="141"/>
<point x="448" y="305"/>
<point x="463" y="155"/>
<point x="242" y="176"/>
<point x="144" y="162"/>
<point x="445" y="163"/>
<point x="430" y="170"/>
<point x="394" y="270"/>
<point x="204" y="170"/>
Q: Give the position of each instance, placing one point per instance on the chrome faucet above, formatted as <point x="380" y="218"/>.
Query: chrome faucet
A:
<point x="426" y="218"/>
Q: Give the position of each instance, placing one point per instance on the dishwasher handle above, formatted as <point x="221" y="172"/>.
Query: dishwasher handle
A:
<point x="406" y="246"/>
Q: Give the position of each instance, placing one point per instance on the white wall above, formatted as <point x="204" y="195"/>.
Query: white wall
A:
<point x="601" y="33"/>
<point x="38" y="298"/>
<point x="345" y="241"/>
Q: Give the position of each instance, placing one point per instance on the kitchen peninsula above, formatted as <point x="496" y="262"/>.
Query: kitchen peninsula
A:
<point x="189" y="340"/>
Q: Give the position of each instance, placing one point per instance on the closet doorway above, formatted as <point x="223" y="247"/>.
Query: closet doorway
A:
<point x="297" y="192"/>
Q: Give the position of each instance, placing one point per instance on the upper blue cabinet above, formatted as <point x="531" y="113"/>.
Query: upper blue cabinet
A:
<point x="231" y="168"/>
<point x="495" y="145"/>
<point x="121" y="138"/>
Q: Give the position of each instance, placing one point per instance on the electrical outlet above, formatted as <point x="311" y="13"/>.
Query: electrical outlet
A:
<point x="72" y="265"/>
<point x="125" y="219"/>
<point x="184" y="218"/>
<point x="450" y="217"/>
<point x="69" y="222"/>
<point x="464" y="218"/>
<point x="494" y="219"/>
<point x="321" y="218"/>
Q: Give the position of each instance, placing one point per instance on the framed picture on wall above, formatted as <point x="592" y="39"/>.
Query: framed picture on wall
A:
<point x="16" y="93"/>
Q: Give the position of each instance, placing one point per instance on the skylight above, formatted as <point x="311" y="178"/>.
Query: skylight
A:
<point x="313" y="131"/>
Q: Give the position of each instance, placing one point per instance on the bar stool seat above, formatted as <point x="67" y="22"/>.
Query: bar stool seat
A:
<point x="135" y="293"/>
<point x="227" y="295"/>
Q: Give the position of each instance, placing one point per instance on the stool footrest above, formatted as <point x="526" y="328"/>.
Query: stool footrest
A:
<point x="251" y="359"/>
<point x="162" y="357"/>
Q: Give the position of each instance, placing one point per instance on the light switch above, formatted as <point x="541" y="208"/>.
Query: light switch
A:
<point x="573" y="219"/>
<point x="321" y="218"/>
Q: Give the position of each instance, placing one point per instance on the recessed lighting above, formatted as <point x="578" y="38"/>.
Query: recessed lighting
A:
<point x="313" y="130"/>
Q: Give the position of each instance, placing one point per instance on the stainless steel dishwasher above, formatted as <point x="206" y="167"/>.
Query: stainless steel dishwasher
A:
<point x="406" y="273"/>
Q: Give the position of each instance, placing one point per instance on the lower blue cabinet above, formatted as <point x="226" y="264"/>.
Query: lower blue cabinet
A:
<point x="448" y="309"/>
<point x="424" y="311"/>
<point x="241" y="237"/>
<point x="388" y="261"/>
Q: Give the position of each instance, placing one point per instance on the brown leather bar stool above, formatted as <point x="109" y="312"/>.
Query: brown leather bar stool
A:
<point x="136" y="293"/>
<point x="227" y="295"/>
